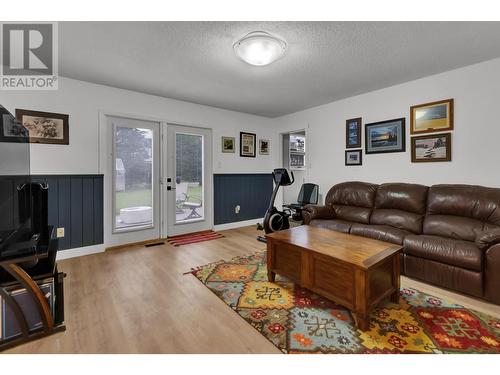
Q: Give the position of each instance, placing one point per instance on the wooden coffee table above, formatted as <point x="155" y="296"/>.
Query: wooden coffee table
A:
<point x="356" y="272"/>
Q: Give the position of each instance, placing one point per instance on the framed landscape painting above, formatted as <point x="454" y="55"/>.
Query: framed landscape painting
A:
<point x="353" y="157"/>
<point x="247" y="144"/>
<point x="431" y="117"/>
<point x="45" y="127"/>
<point x="385" y="136"/>
<point x="353" y="133"/>
<point x="430" y="148"/>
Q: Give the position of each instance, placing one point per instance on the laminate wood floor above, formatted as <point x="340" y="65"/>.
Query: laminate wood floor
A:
<point x="137" y="300"/>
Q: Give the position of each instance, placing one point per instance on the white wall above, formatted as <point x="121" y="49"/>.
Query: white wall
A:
<point x="475" y="151"/>
<point x="83" y="101"/>
<point x="475" y="139"/>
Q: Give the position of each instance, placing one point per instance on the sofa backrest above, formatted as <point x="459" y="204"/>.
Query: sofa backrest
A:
<point x="352" y="201"/>
<point x="461" y="211"/>
<point x="400" y="205"/>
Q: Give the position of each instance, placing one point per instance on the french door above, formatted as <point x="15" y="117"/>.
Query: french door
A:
<point x="187" y="182"/>
<point x="134" y="182"/>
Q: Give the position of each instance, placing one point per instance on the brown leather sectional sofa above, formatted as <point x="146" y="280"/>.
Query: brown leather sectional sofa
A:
<point x="450" y="233"/>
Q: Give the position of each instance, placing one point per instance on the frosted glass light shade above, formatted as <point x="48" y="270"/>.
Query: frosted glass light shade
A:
<point x="259" y="48"/>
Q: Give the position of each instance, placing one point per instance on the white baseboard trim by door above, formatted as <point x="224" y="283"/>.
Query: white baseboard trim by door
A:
<point x="237" y="224"/>
<point x="80" y="251"/>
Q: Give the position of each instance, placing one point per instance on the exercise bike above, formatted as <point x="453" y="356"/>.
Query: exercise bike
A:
<point x="276" y="220"/>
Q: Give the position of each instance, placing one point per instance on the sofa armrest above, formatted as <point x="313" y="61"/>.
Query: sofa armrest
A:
<point x="486" y="239"/>
<point x="492" y="274"/>
<point x="312" y="211"/>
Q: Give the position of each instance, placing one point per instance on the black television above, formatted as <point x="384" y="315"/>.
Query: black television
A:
<point x="15" y="183"/>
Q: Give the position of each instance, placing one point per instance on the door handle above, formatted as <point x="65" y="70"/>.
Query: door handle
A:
<point x="170" y="188"/>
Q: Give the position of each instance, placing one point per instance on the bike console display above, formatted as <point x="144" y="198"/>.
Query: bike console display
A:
<point x="282" y="178"/>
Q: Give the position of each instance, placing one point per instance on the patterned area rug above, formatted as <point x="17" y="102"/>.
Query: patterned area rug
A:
<point x="298" y="321"/>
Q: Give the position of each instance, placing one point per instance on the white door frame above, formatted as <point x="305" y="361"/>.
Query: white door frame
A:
<point x="207" y="223"/>
<point x="281" y="161"/>
<point x="106" y="169"/>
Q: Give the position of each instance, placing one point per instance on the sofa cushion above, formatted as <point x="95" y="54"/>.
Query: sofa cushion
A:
<point x="400" y="205"/>
<point x="352" y="213"/>
<point x="399" y="196"/>
<point x="457" y="253"/>
<point x="337" y="225"/>
<point x="352" y="201"/>
<point x="476" y="202"/>
<point x="399" y="219"/>
<point x="457" y="227"/>
<point x="380" y="232"/>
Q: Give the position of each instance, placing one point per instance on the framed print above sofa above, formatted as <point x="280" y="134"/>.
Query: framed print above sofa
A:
<point x="385" y="136"/>
<point x="431" y="147"/>
<point x="353" y="133"/>
<point x="431" y="117"/>
<point x="353" y="157"/>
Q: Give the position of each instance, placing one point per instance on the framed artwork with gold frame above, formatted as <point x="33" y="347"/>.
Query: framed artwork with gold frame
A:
<point x="431" y="117"/>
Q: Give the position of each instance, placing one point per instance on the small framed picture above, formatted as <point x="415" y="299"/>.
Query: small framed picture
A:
<point x="430" y="148"/>
<point x="264" y="146"/>
<point x="353" y="157"/>
<point x="353" y="133"/>
<point x="228" y="144"/>
<point x="247" y="144"/>
<point x="431" y="117"/>
<point x="45" y="127"/>
<point x="11" y="129"/>
<point x="385" y="136"/>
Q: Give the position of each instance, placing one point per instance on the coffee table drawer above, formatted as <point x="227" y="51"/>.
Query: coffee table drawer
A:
<point x="333" y="279"/>
<point x="287" y="261"/>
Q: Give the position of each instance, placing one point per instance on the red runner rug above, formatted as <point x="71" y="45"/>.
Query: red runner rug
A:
<point x="185" y="239"/>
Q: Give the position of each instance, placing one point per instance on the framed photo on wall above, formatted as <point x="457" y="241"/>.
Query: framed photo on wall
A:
<point x="353" y="133"/>
<point x="385" y="136"/>
<point x="228" y="144"/>
<point x="264" y="146"/>
<point x="247" y="144"/>
<point x="431" y="117"/>
<point x="11" y="129"/>
<point x="45" y="127"/>
<point x="353" y="157"/>
<point x="431" y="148"/>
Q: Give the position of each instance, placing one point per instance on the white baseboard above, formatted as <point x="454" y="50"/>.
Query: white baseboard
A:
<point x="237" y="224"/>
<point x="80" y="251"/>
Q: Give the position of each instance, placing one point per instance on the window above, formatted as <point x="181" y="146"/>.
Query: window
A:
<point x="189" y="177"/>
<point x="133" y="177"/>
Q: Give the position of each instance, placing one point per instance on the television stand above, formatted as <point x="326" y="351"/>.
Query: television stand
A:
<point x="50" y="310"/>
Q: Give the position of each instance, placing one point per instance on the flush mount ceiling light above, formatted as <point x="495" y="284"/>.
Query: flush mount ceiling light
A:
<point x="259" y="48"/>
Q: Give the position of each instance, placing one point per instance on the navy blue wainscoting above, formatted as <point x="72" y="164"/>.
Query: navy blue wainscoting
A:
<point x="250" y="191"/>
<point x="76" y="203"/>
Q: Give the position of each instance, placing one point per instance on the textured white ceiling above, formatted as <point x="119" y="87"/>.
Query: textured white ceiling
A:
<point x="325" y="61"/>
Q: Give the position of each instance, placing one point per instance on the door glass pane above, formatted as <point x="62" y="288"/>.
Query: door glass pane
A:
<point x="133" y="177"/>
<point x="189" y="177"/>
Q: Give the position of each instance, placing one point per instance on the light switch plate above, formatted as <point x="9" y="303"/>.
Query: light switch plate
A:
<point x="60" y="232"/>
